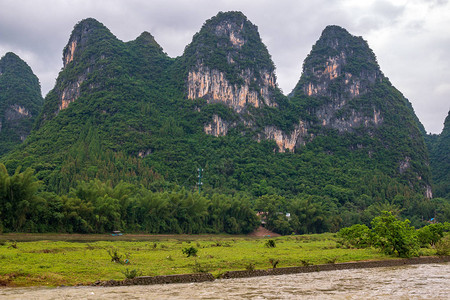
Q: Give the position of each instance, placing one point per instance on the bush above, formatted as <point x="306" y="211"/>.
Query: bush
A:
<point x="190" y="251"/>
<point x="393" y="236"/>
<point x="431" y="234"/>
<point x="270" y="244"/>
<point x="115" y="256"/>
<point x="198" y="268"/>
<point x="443" y="246"/>
<point x="359" y="236"/>
<point x="274" y="262"/>
<point x="250" y="267"/>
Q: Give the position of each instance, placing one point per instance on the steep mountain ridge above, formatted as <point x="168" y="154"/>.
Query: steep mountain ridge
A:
<point x="228" y="63"/>
<point x="127" y="111"/>
<point x="439" y="146"/>
<point x="20" y="101"/>
<point x="346" y="91"/>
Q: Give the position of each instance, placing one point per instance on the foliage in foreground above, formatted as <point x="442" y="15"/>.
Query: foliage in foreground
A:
<point x="97" y="207"/>
<point x="393" y="236"/>
<point x="69" y="263"/>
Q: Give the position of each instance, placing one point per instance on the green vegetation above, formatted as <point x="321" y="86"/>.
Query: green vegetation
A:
<point x="124" y="155"/>
<point x="20" y="101"/>
<point x="439" y="147"/>
<point x="190" y="251"/>
<point x="55" y="263"/>
<point x="393" y="236"/>
<point x="99" y="207"/>
<point x="443" y="246"/>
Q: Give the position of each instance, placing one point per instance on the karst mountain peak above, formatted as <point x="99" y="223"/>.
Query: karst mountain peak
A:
<point x="228" y="63"/>
<point x="128" y="111"/>
<point x="20" y="101"/>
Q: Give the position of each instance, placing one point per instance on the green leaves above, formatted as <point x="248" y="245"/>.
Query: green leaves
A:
<point x="393" y="236"/>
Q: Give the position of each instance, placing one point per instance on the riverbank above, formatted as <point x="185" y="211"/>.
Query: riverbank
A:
<point x="86" y="261"/>
<point x="204" y="277"/>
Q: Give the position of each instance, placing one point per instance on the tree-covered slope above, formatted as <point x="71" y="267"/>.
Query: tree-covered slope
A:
<point x="346" y="93"/>
<point x="439" y="146"/>
<point x="343" y="146"/>
<point x="20" y="101"/>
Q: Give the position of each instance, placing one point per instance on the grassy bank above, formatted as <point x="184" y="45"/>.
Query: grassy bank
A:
<point x="81" y="259"/>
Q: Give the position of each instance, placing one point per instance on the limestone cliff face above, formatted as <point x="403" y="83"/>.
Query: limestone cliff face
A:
<point x="340" y="67"/>
<point x="75" y="56"/>
<point x="217" y="127"/>
<point x="351" y="121"/>
<point x="288" y="142"/>
<point x="15" y="112"/>
<point x="222" y="66"/>
<point x="213" y="86"/>
<point x="71" y="92"/>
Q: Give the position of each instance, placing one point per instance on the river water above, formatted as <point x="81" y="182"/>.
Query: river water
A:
<point x="430" y="281"/>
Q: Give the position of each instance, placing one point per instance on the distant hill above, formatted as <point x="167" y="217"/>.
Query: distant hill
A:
<point x="20" y="101"/>
<point x="439" y="146"/>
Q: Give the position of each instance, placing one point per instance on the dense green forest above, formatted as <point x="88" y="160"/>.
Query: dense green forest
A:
<point x="439" y="147"/>
<point x="117" y="144"/>
<point x="20" y="101"/>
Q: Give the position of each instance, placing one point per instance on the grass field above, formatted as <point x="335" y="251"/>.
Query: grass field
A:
<point x="73" y="259"/>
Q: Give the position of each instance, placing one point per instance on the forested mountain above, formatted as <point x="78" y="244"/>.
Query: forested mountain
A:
<point x="20" y="101"/>
<point x="344" y="145"/>
<point x="439" y="146"/>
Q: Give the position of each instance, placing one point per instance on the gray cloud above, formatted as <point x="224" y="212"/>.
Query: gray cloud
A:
<point x="410" y="38"/>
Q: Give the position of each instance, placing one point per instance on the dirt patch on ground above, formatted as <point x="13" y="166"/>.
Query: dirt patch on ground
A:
<point x="263" y="232"/>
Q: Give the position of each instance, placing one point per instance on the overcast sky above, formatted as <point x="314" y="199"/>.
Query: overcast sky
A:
<point x="411" y="38"/>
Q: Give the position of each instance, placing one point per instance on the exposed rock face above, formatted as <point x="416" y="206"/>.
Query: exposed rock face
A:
<point x="15" y="112"/>
<point x="217" y="127"/>
<point x="213" y="86"/>
<point x="144" y="153"/>
<point x="234" y="77"/>
<point x="404" y="165"/>
<point x="68" y="55"/>
<point x="428" y="192"/>
<point x="70" y="93"/>
<point x="340" y="67"/>
<point x="80" y="39"/>
<point x="348" y="123"/>
<point x="288" y="142"/>
<point x="333" y="69"/>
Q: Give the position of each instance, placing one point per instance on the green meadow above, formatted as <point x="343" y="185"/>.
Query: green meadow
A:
<point x="52" y="263"/>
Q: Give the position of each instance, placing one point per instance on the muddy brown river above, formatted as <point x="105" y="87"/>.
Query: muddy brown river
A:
<point x="431" y="281"/>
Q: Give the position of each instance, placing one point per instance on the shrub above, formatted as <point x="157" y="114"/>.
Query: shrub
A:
<point x="443" y="246"/>
<point x="359" y="236"/>
<point x="250" y="267"/>
<point x="198" y="268"/>
<point x="332" y="260"/>
<point x="393" y="236"/>
<point x="190" y="251"/>
<point x="305" y="263"/>
<point x="131" y="274"/>
<point x="274" y="262"/>
<point x="270" y="244"/>
<point x="431" y="234"/>
<point x="115" y="256"/>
